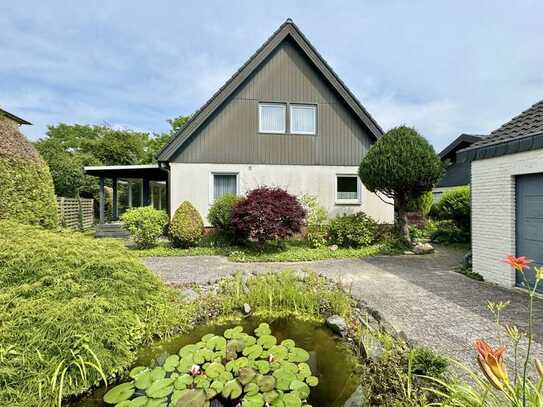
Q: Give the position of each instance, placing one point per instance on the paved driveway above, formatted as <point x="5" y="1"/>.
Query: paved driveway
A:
<point x="418" y="295"/>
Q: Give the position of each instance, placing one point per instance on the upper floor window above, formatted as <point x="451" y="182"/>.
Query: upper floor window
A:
<point x="272" y="118"/>
<point x="303" y="119"/>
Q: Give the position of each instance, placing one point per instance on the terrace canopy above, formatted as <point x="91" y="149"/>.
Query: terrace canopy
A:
<point x="131" y="186"/>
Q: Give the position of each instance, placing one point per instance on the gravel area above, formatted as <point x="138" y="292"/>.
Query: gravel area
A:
<point x="419" y="295"/>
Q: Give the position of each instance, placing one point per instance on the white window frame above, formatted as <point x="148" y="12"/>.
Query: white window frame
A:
<point x="212" y="183"/>
<point x="303" y="106"/>
<point x="264" y="104"/>
<point x="356" y="201"/>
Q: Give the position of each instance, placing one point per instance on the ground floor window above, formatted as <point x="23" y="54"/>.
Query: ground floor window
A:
<point x="222" y="183"/>
<point x="348" y="189"/>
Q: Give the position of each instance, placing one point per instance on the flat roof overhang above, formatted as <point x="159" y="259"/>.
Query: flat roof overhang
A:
<point x="152" y="172"/>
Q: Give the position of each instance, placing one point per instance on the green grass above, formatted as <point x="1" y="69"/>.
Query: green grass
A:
<point x="293" y="251"/>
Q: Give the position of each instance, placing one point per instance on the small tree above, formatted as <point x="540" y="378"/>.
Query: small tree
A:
<point x="402" y="165"/>
<point x="268" y="214"/>
<point x="145" y="225"/>
<point x="220" y="215"/>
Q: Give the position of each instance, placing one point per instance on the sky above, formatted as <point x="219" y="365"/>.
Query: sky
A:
<point x="444" y="67"/>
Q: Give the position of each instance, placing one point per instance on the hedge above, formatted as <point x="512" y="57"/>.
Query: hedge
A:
<point x="26" y="194"/>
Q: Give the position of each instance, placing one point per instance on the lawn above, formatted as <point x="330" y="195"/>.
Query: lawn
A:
<point x="291" y="251"/>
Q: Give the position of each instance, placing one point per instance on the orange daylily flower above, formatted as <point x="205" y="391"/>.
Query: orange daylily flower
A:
<point x="491" y="363"/>
<point x="518" y="263"/>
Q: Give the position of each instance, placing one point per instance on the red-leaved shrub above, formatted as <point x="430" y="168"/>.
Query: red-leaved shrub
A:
<point x="267" y="214"/>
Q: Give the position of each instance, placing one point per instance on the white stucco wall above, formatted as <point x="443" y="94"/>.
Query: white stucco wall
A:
<point x="493" y="212"/>
<point x="191" y="182"/>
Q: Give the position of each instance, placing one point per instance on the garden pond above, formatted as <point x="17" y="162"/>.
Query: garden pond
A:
<point x="330" y="360"/>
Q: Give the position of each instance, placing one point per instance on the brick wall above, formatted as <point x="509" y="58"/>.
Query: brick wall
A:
<point x="493" y="212"/>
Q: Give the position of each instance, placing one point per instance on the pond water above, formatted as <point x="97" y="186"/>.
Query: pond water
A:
<point x="331" y="361"/>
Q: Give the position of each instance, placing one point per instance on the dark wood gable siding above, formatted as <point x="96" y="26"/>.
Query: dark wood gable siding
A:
<point x="231" y="134"/>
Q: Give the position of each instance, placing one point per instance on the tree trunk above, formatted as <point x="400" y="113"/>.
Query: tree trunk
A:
<point x="402" y="220"/>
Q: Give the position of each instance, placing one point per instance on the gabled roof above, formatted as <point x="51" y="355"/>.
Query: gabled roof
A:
<point x="13" y="117"/>
<point x="522" y="133"/>
<point x="287" y="30"/>
<point x="462" y="141"/>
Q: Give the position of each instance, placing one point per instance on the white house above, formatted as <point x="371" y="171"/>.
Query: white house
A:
<point x="283" y="119"/>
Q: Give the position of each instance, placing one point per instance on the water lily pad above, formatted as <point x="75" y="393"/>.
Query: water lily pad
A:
<point x="312" y="381"/>
<point x="298" y="355"/>
<point x="136" y="371"/>
<point x="263" y="366"/>
<point x="158" y="373"/>
<point x="160" y="388"/>
<point x="120" y="393"/>
<point x="140" y="401"/>
<point x="253" y="351"/>
<point x="283" y="377"/>
<point x="171" y="363"/>
<point x="202" y="382"/>
<point x="303" y="371"/>
<point x="266" y="383"/>
<point x="186" y="363"/>
<point x="246" y="375"/>
<point x="288" y="343"/>
<point x="183" y="381"/>
<point x="192" y="398"/>
<point x="270" y="396"/>
<point x="214" y="370"/>
<point x="300" y="388"/>
<point x="125" y="403"/>
<point x="232" y="389"/>
<point x="267" y="341"/>
<point x="263" y="329"/>
<point x="251" y="389"/>
<point x="279" y="352"/>
<point x="255" y="400"/>
<point x="187" y="350"/>
<point x="143" y="380"/>
<point x="216" y="343"/>
<point x="292" y="400"/>
<point x="233" y="333"/>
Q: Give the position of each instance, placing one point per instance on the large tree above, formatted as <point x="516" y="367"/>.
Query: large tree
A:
<point x="67" y="148"/>
<point x="401" y="165"/>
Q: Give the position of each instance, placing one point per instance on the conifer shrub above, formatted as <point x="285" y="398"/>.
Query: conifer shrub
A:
<point x="26" y="188"/>
<point x="187" y="226"/>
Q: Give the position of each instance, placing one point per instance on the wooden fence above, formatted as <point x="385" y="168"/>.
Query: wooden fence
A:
<point x="75" y="213"/>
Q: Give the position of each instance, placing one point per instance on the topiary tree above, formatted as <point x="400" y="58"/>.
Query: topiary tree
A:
<point x="187" y="226"/>
<point x="26" y="187"/>
<point x="220" y="215"/>
<point x="401" y="165"/>
<point x="267" y="214"/>
<point x="145" y="225"/>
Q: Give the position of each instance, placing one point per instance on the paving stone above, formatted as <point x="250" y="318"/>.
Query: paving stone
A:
<point x="417" y="295"/>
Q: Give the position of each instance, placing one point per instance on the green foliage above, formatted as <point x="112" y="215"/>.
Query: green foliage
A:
<point x="316" y="221"/>
<point x="145" y="225"/>
<point x="187" y="226"/>
<point x="291" y="250"/>
<point x="422" y="203"/>
<point x="220" y="215"/>
<point x="236" y="367"/>
<point x="455" y="205"/>
<point x="306" y="294"/>
<point x="67" y="148"/>
<point x="26" y="188"/>
<point x="354" y="230"/>
<point x="72" y="310"/>
<point x="428" y="363"/>
<point x="401" y="165"/>
<point x="447" y="231"/>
